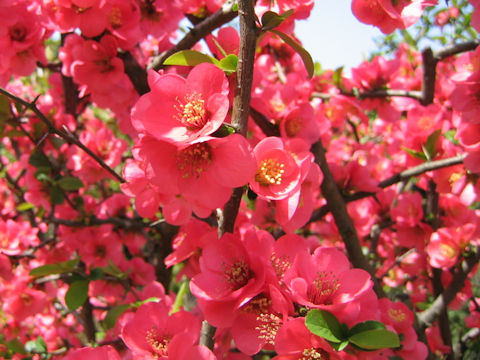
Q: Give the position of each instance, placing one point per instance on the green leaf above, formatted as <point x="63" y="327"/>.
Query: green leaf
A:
<point x="15" y="346"/>
<point x="38" y="159"/>
<point x="431" y="144"/>
<point x="56" y="195"/>
<point x="4" y="112"/>
<point x="70" y="183"/>
<point x="375" y="339"/>
<point x="50" y="269"/>
<point x="235" y="7"/>
<point x="324" y="324"/>
<point x="365" y="326"/>
<point x="96" y="274"/>
<point x="180" y="295"/>
<point x="306" y="57"/>
<point x="229" y="63"/>
<point x="339" y="346"/>
<point x="36" y="346"/>
<point x="271" y="19"/>
<point x="76" y="294"/>
<point x="337" y="77"/>
<point x="415" y="154"/>
<point x="189" y="58"/>
<point x="224" y="131"/>
<point x="25" y="206"/>
<point x="113" y="314"/>
<point x="450" y="136"/>
<point x="137" y="304"/>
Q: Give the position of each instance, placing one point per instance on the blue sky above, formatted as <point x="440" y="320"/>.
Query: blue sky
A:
<point x="334" y="37"/>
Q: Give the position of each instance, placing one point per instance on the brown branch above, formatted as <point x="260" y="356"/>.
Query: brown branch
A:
<point x="135" y="72"/>
<point x="337" y="207"/>
<point x="241" y="107"/>
<point x="263" y="123"/>
<point x="427" y="317"/>
<point x="66" y="134"/>
<point x="221" y="17"/>
<point x="394" y="179"/>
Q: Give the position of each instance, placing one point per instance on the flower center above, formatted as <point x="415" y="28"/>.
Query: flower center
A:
<point x="18" y="32"/>
<point x="314" y="354"/>
<point x="270" y="172"/>
<point x="268" y="327"/>
<point x="194" y="160"/>
<point x="158" y="341"/>
<point x="323" y="288"/>
<point x="280" y="264"/>
<point x="292" y="127"/>
<point x="115" y="18"/>
<point x="192" y="112"/>
<point x="100" y="251"/>
<point x="237" y="274"/>
<point x="397" y="315"/>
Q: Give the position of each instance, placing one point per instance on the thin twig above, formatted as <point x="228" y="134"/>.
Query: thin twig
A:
<point x="66" y="134"/>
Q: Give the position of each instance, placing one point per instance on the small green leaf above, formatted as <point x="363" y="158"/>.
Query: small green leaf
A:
<point x="56" y="195"/>
<point x="137" y="304"/>
<point x="431" y="144"/>
<point x="324" y="324"/>
<point x="38" y="159"/>
<point x="365" y="326"/>
<point x="4" y="112"/>
<point x="50" y="269"/>
<point x="76" y="294"/>
<point x="229" y="63"/>
<point x="70" y="183"/>
<point x="375" y="339"/>
<point x="271" y="19"/>
<point x="36" y="346"/>
<point x="25" y="206"/>
<point x="189" y="58"/>
<point x="15" y="346"/>
<point x="224" y="131"/>
<point x="339" y="346"/>
<point x="235" y="7"/>
<point x="180" y="295"/>
<point x="415" y="154"/>
<point x="96" y="274"/>
<point x="306" y="57"/>
<point x="337" y="77"/>
<point x="113" y="314"/>
<point x="450" y="136"/>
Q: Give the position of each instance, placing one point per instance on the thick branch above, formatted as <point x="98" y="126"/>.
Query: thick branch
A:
<point x="66" y="135"/>
<point x="135" y="72"/>
<point x="221" y="17"/>
<point x="344" y="223"/>
<point x="241" y="106"/>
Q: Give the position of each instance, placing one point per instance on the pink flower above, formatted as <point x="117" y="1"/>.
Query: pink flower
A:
<point x="389" y="15"/>
<point x="98" y="353"/>
<point x="295" y="342"/>
<point x="215" y="166"/>
<point x="232" y="273"/>
<point x="325" y="281"/>
<point x="278" y="174"/>
<point x="153" y="334"/>
<point x="181" y="110"/>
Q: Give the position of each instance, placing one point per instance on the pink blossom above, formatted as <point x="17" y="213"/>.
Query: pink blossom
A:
<point x="99" y="353"/>
<point x="325" y="281"/>
<point x="231" y="275"/>
<point x="181" y="110"/>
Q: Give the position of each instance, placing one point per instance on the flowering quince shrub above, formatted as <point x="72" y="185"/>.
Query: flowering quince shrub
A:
<point x="164" y="199"/>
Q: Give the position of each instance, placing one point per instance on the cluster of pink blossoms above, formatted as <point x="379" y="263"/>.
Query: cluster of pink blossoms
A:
<point x="284" y="257"/>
